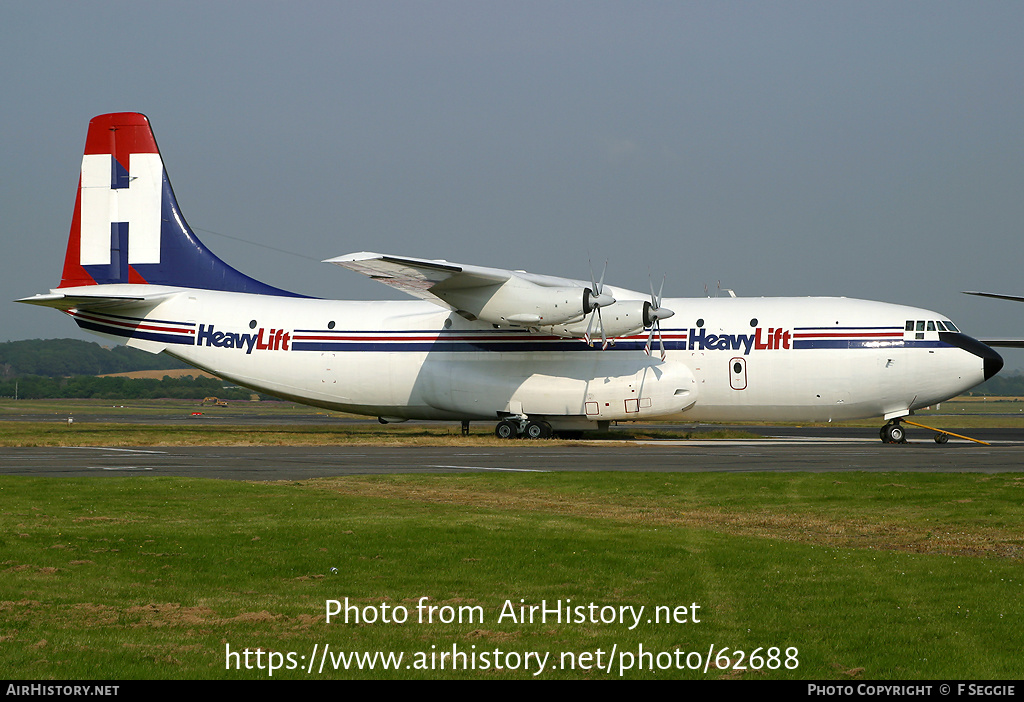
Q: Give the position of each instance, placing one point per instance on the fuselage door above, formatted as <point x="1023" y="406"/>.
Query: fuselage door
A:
<point x="738" y="373"/>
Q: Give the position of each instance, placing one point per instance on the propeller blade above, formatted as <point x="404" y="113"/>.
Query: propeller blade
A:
<point x="655" y="313"/>
<point x="594" y="299"/>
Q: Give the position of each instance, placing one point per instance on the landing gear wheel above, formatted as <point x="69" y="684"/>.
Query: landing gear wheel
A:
<point x="941" y="438"/>
<point x="507" y="429"/>
<point x="537" y="430"/>
<point x="893" y="433"/>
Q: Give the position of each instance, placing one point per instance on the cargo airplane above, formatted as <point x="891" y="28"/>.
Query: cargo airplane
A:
<point x="534" y="354"/>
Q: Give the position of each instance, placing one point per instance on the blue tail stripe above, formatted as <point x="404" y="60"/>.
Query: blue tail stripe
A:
<point x="184" y="259"/>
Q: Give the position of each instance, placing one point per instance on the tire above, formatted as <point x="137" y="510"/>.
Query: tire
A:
<point x="941" y="438"/>
<point x="537" y="430"/>
<point x="506" y="429"/>
<point x="894" y="434"/>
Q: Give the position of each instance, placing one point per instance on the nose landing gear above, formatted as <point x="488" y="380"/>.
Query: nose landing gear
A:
<point x="893" y="433"/>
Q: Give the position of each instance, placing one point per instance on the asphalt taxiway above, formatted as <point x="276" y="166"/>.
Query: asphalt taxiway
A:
<point x="832" y="448"/>
<point x="793" y="453"/>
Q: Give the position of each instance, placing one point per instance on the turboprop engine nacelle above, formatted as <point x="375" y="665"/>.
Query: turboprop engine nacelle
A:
<point x="624" y="318"/>
<point x="520" y="302"/>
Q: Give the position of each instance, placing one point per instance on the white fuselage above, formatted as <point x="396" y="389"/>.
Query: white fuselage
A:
<point x="798" y="359"/>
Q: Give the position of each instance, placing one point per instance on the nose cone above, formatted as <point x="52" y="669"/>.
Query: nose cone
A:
<point x="992" y="361"/>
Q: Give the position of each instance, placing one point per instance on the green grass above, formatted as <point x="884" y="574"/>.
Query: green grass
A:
<point x="868" y="576"/>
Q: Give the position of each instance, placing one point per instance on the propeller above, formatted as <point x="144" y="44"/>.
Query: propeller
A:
<point x="653" y="314"/>
<point x="593" y="300"/>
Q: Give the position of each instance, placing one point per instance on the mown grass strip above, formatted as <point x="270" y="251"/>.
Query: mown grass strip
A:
<point x="154" y="577"/>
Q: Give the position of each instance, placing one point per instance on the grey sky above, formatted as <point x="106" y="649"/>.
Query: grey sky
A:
<point x="865" y="149"/>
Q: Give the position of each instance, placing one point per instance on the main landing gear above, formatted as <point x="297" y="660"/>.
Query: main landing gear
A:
<point x="521" y="427"/>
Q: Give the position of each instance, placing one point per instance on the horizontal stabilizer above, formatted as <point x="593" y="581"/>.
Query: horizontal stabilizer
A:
<point x="91" y="302"/>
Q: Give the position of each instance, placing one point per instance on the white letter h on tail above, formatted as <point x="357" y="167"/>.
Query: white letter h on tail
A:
<point x="138" y="205"/>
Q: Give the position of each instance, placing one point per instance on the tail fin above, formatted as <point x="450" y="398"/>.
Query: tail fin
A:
<point x="127" y="227"/>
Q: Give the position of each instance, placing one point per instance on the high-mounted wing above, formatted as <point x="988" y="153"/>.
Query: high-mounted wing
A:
<point x="1004" y="343"/>
<point x="476" y="292"/>
<point x="416" y="276"/>
<point x="1014" y="298"/>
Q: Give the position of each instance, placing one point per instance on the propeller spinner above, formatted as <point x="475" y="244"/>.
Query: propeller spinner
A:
<point x="653" y="314"/>
<point x="593" y="300"/>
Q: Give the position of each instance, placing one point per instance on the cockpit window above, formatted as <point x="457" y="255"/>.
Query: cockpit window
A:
<point x="941" y="326"/>
<point x="920" y="325"/>
<point x="910" y="325"/>
<point x="950" y="326"/>
<point x="931" y="326"/>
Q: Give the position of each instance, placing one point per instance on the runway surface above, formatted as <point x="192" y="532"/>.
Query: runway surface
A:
<point x="782" y="449"/>
<point x="793" y="453"/>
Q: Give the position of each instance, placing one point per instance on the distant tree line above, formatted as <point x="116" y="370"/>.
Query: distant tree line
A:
<point x="37" y="387"/>
<point x="68" y="368"/>
<point x="66" y="357"/>
<point x="1011" y="384"/>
